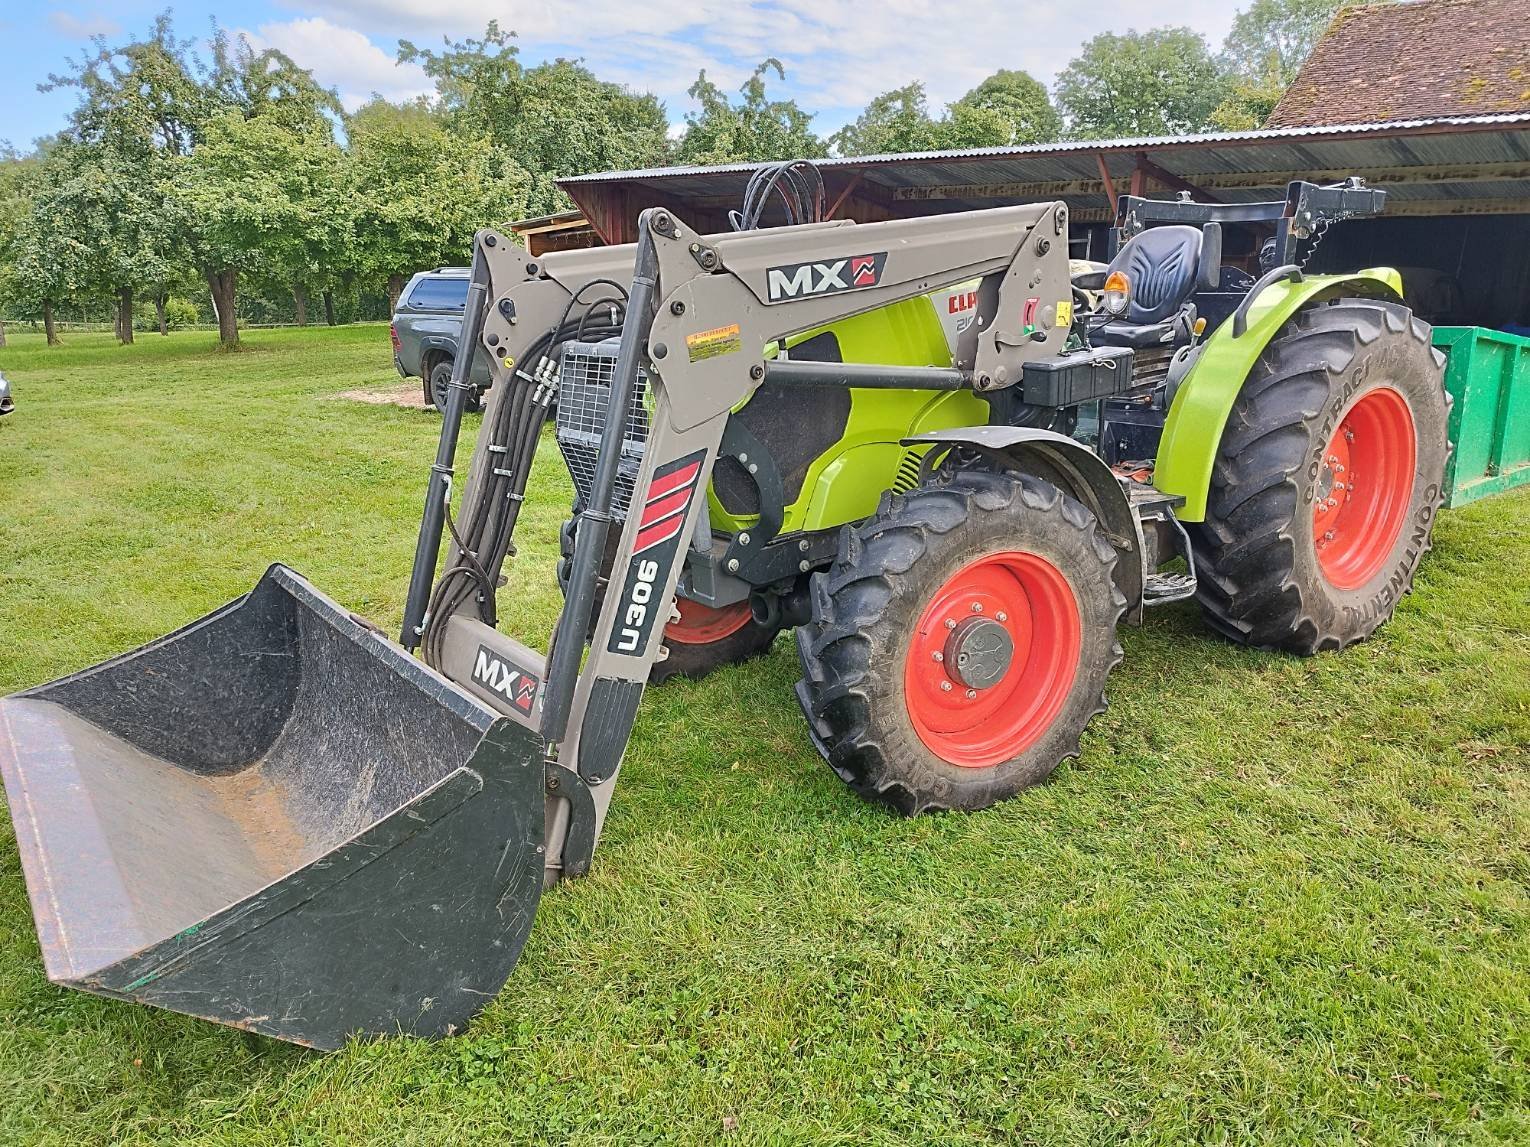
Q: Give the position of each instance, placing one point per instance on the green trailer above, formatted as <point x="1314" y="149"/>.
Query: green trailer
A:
<point x="1488" y="377"/>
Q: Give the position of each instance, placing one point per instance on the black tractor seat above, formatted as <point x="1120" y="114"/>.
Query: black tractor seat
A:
<point x="1164" y="266"/>
<point x="1142" y="336"/>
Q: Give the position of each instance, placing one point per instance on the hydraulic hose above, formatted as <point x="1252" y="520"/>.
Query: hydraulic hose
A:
<point x="438" y="489"/>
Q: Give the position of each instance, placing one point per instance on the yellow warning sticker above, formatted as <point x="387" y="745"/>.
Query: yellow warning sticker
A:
<point x="1065" y="313"/>
<point x="715" y="342"/>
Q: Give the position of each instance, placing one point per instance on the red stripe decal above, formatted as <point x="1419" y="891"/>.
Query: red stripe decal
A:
<point x="664" y="507"/>
<point x="666" y="483"/>
<point x="659" y="532"/>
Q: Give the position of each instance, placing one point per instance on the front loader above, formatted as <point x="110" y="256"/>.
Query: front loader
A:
<point x="917" y="442"/>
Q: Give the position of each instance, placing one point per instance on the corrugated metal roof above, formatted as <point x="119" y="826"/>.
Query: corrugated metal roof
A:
<point x="1260" y="140"/>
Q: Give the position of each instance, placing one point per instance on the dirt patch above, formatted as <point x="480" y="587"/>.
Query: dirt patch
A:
<point x="405" y="394"/>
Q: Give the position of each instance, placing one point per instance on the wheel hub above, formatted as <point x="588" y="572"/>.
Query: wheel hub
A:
<point x="979" y="652"/>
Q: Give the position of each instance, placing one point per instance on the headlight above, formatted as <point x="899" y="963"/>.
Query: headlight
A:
<point x="1118" y="293"/>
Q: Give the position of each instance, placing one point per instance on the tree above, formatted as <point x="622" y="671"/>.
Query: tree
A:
<point x="16" y="176"/>
<point x="148" y="106"/>
<point x="48" y="262"/>
<point x="554" y="119"/>
<point x="420" y="190"/>
<point x="1007" y="109"/>
<point x="755" y="130"/>
<point x="1160" y="82"/>
<point x="894" y="121"/>
<point x="1269" y="42"/>
<point x="250" y="197"/>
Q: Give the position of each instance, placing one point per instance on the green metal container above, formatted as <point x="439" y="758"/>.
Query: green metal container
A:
<point x="1488" y="376"/>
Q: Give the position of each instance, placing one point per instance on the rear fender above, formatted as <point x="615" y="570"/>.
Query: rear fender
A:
<point x="1072" y="468"/>
<point x="1193" y="432"/>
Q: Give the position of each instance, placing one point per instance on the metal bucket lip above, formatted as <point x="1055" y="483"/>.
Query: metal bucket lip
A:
<point x="462" y="703"/>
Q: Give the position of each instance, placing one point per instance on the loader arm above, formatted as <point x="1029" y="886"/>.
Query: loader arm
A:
<point x="698" y="317"/>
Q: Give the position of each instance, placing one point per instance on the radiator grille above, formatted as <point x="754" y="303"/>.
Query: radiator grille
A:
<point x="584" y="399"/>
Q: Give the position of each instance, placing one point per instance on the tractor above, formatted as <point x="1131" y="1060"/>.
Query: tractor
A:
<point x="951" y="465"/>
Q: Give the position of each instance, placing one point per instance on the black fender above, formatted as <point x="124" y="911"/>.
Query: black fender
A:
<point x="430" y="344"/>
<point x="1073" y="468"/>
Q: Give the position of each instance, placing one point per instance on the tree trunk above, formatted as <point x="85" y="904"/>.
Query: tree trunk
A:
<point x="125" y="316"/>
<point x="48" y="324"/>
<point x="329" y="313"/>
<point x="2" y="334"/>
<point x="222" y="284"/>
<point x="395" y="289"/>
<point x="300" y="302"/>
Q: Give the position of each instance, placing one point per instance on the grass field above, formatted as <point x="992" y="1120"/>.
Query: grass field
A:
<point x="1275" y="900"/>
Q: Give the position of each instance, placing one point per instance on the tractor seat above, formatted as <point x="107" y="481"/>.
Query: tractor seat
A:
<point x="1139" y="336"/>
<point x="1163" y="265"/>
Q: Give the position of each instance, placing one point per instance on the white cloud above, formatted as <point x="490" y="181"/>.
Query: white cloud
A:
<point x="838" y="53"/>
<point x="82" y="27"/>
<point x="344" y="59"/>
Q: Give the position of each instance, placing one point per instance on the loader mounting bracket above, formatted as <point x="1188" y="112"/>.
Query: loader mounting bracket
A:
<point x="579" y="841"/>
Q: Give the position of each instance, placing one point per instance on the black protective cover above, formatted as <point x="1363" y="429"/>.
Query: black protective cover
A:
<point x="275" y="818"/>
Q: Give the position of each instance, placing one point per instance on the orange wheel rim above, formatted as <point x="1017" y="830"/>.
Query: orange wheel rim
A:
<point x="1364" y="487"/>
<point x="701" y="624"/>
<point x="993" y="659"/>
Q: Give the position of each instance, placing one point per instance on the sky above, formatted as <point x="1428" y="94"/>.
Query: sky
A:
<point x="838" y="53"/>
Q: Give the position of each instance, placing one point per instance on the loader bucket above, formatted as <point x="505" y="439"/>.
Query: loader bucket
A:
<point x="275" y="818"/>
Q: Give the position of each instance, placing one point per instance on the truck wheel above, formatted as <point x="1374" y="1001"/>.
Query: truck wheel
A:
<point x="960" y="642"/>
<point x="1329" y="474"/>
<point x="705" y="638"/>
<point x="440" y="379"/>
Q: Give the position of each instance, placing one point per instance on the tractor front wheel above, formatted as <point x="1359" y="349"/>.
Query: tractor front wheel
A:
<point x="1330" y="470"/>
<point x="960" y="642"/>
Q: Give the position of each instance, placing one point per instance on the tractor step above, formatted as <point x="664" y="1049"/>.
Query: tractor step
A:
<point x="1163" y="540"/>
<point x="1162" y="588"/>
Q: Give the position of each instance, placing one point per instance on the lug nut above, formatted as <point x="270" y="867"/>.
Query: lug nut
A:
<point x="971" y="693"/>
<point x="950" y="624"/>
<point x="945" y="686"/>
<point x="938" y="655"/>
<point x="977" y="607"/>
<point x="1001" y="616"/>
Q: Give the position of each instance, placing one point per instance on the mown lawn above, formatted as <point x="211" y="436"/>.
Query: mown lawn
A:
<point x="1275" y="899"/>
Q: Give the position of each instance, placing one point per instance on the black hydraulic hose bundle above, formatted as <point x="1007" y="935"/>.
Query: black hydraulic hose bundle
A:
<point x="438" y="490"/>
<point x="485" y="538"/>
<point x="797" y="183"/>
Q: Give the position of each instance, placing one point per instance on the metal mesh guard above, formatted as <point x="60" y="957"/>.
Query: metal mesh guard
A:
<point x="584" y="397"/>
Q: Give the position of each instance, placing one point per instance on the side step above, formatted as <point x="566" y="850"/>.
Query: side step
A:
<point x="1163" y="539"/>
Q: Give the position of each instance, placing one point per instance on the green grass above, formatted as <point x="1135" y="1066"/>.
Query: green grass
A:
<point x="1274" y="899"/>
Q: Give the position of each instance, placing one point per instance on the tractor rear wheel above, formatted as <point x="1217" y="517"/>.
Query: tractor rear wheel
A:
<point x="960" y="642"/>
<point x="1330" y="470"/>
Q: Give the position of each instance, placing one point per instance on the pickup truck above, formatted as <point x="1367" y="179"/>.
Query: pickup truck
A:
<point x="425" y="330"/>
